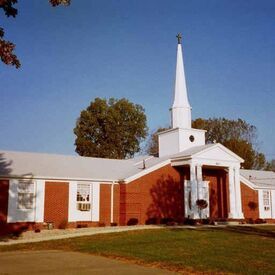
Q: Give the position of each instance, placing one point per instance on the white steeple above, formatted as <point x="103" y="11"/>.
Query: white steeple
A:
<point x="181" y="136"/>
<point x="181" y="110"/>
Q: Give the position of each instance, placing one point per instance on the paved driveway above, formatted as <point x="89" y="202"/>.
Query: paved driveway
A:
<point x="61" y="262"/>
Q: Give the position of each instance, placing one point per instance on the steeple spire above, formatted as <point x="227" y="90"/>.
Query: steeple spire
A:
<point x="181" y="110"/>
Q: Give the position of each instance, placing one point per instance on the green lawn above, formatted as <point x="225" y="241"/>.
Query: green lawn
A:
<point x="234" y="249"/>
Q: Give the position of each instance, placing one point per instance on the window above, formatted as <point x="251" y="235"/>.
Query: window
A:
<point x="83" y="197"/>
<point x="25" y="191"/>
<point x="266" y="198"/>
<point x="192" y="138"/>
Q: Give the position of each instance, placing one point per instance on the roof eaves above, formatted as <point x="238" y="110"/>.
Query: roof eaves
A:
<point x="146" y="171"/>
<point x="56" y="178"/>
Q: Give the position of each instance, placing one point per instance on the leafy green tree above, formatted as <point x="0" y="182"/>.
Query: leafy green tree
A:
<point x="110" y="129"/>
<point x="271" y="165"/>
<point x="152" y="147"/>
<point x="237" y="135"/>
<point x="6" y="47"/>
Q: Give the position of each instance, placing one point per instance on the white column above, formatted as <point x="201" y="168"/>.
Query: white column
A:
<point x="232" y="197"/>
<point x="199" y="172"/>
<point x="272" y="204"/>
<point x="199" y="181"/>
<point x="39" y="199"/>
<point x="112" y="202"/>
<point x="194" y="190"/>
<point x="238" y="197"/>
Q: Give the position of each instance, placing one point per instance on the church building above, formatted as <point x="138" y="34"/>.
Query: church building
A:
<point x="46" y="190"/>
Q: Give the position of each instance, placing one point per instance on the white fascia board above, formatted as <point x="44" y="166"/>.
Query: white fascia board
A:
<point x="60" y="179"/>
<point x="202" y="161"/>
<point x="174" y="129"/>
<point x="146" y="171"/>
<point x="247" y="182"/>
<point x="253" y="186"/>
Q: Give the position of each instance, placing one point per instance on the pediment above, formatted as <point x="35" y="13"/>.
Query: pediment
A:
<point x="218" y="152"/>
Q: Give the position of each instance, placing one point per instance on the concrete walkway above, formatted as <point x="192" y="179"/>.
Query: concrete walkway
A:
<point x="56" y="234"/>
<point x="61" y="262"/>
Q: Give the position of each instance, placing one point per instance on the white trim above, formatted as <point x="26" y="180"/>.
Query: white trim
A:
<point x="59" y="179"/>
<point x="238" y="196"/>
<point x="264" y="214"/>
<point x="203" y="162"/>
<point x="174" y="129"/>
<point x="112" y="203"/>
<point x="147" y="171"/>
<point x="39" y="201"/>
<point x="14" y="214"/>
<point x="248" y="182"/>
<point x="232" y="198"/>
<point x="272" y="204"/>
<point x="95" y="201"/>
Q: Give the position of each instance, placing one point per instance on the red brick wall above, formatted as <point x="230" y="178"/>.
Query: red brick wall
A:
<point x="4" y="198"/>
<point x="105" y="204"/>
<point x="56" y="203"/>
<point x="218" y="193"/>
<point x="249" y="196"/>
<point x="116" y="202"/>
<point x="156" y="195"/>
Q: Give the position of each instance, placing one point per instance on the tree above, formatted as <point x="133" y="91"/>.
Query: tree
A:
<point x="237" y="135"/>
<point x="271" y="165"/>
<point x="152" y="147"/>
<point x="110" y="129"/>
<point x="6" y="47"/>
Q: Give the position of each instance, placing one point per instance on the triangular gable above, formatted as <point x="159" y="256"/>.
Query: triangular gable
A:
<point x="218" y="152"/>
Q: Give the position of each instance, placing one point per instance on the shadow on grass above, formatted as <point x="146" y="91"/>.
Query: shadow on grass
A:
<point x="248" y="230"/>
<point x="252" y="230"/>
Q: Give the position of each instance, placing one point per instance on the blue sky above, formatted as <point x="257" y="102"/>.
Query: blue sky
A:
<point x="127" y="48"/>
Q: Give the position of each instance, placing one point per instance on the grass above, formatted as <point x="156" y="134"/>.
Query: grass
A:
<point x="234" y="249"/>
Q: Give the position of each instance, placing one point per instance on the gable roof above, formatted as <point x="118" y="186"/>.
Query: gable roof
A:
<point x="46" y="166"/>
<point x="259" y="179"/>
<point x="65" y="167"/>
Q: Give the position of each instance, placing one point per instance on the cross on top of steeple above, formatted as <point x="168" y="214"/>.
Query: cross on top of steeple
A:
<point x="179" y="37"/>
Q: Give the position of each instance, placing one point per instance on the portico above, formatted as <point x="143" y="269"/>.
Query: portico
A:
<point x="213" y="156"/>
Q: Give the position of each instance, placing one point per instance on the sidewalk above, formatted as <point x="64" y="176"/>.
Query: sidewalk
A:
<point x="67" y="262"/>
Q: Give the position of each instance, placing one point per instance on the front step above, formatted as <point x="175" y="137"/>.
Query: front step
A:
<point x="227" y="223"/>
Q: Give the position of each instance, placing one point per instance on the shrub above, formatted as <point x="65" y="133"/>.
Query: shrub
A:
<point x="252" y="205"/>
<point x="81" y="225"/>
<point x="63" y="224"/>
<point x="206" y="221"/>
<point x="189" y="221"/>
<point x="250" y="221"/>
<point x="260" y="221"/>
<point x="132" y="221"/>
<point x="167" y="220"/>
<point x="152" y="221"/>
<point x="113" y="223"/>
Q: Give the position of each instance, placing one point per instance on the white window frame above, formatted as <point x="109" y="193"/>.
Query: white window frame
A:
<point x="83" y="197"/>
<point x="266" y="200"/>
<point x="25" y="195"/>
